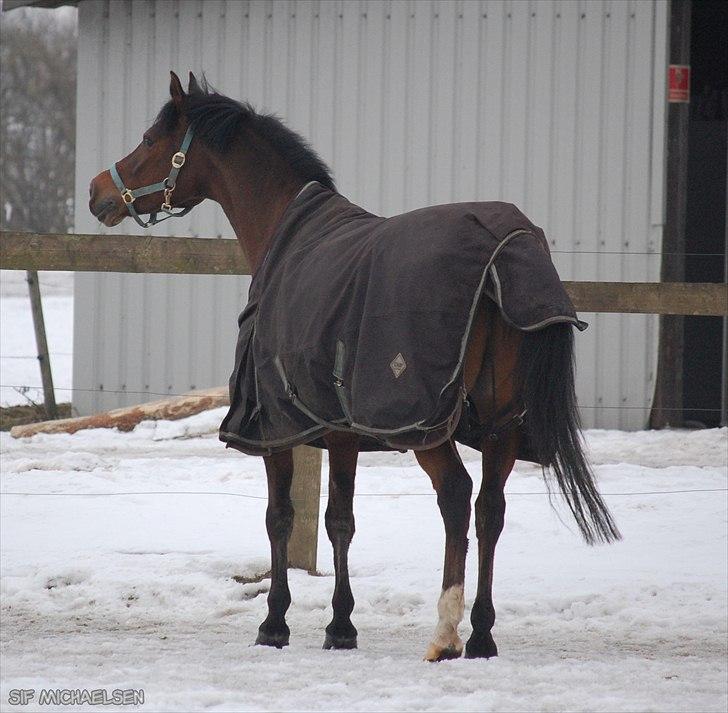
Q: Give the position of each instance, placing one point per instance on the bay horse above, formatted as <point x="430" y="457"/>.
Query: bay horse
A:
<point x="254" y="166"/>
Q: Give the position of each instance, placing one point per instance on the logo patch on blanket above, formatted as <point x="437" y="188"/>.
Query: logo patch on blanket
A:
<point x="398" y="365"/>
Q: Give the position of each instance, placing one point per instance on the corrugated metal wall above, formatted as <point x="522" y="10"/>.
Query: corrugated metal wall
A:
<point x="557" y="106"/>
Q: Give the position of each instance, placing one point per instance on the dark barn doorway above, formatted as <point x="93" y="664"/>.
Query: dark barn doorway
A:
<point x="705" y="211"/>
<point x="689" y="376"/>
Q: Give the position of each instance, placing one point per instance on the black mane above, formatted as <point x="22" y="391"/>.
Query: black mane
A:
<point x="217" y="120"/>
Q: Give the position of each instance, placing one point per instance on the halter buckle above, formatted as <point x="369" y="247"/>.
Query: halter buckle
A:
<point x="178" y="160"/>
<point x="127" y="197"/>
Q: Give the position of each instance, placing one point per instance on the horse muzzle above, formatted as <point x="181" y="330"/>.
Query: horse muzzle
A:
<point x="104" y="203"/>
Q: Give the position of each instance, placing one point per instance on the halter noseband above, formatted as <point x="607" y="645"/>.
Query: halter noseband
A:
<point x="129" y="195"/>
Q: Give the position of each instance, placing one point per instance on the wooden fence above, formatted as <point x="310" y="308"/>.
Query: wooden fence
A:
<point x="204" y="256"/>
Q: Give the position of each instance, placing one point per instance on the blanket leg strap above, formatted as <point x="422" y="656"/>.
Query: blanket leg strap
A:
<point x="476" y="432"/>
<point x="515" y="420"/>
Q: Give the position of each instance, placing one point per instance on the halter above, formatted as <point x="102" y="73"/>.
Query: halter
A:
<point x="167" y="186"/>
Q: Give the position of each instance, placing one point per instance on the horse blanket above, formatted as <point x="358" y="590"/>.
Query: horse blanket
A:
<point x="360" y="323"/>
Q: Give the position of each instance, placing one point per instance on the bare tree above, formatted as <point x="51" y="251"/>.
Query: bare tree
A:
<point x="37" y="122"/>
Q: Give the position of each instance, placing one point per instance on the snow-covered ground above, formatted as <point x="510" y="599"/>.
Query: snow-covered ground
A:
<point x="119" y="552"/>
<point x="18" y="353"/>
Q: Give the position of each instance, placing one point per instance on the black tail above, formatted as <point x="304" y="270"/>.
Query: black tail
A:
<point x="546" y="366"/>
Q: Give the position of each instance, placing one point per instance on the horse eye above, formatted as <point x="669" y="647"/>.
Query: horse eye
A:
<point x="148" y="141"/>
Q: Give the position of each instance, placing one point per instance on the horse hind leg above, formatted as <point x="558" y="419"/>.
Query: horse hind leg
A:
<point x="343" y="453"/>
<point x="490" y="507"/>
<point x="454" y="488"/>
<point x="493" y="391"/>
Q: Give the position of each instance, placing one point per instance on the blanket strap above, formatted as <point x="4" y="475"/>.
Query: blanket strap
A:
<point x="512" y="417"/>
<point x="516" y="419"/>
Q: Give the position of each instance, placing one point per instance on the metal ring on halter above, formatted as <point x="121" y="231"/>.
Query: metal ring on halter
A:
<point x="127" y="196"/>
<point x="178" y="160"/>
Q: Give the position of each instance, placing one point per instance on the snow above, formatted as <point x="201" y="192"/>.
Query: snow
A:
<point x="122" y="553"/>
<point x="18" y="352"/>
<point x="118" y="566"/>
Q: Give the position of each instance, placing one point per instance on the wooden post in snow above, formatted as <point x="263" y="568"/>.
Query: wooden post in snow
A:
<point x="36" y="307"/>
<point x="305" y="494"/>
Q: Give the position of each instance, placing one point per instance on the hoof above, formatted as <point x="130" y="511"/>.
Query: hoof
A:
<point x="342" y="636"/>
<point x="481" y="646"/>
<point x="339" y="642"/>
<point x="278" y="639"/>
<point x="438" y="653"/>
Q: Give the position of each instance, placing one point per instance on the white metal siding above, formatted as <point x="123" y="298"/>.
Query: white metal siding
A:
<point x="554" y="105"/>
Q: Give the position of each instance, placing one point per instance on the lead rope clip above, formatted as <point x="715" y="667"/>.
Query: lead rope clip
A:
<point x="167" y="204"/>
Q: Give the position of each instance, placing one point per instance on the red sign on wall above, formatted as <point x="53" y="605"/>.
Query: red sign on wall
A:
<point x="679" y="83"/>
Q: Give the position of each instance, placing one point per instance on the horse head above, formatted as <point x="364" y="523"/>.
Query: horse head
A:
<point x="158" y="175"/>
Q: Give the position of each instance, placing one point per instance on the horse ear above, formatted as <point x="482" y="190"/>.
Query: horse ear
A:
<point x="193" y="87"/>
<point x="175" y="89"/>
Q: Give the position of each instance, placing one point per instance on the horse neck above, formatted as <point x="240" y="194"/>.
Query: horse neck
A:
<point x="253" y="185"/>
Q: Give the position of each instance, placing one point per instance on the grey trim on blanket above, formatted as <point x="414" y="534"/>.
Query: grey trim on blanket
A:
<point x="300" y="193"/>
<point x="309" y="435"/>
<point x="351" y="425"/>
<point x="474" y="305"/>
<point x="498" y="297"/>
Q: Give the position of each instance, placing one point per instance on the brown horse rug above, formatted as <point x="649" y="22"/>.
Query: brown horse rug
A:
<point x="360" y="323"/>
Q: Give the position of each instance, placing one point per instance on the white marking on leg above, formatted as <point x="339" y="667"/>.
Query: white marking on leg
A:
<point x="450" y="609"/>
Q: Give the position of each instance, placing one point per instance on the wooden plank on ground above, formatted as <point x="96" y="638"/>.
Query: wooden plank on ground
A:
<point x="126" y="418"/>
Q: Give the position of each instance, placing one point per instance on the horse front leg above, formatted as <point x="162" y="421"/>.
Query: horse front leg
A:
<point x="490" y="507"/>
<point x="454" y="488"/>
<point x="279" y="522"/>
<point x="343" y="453"/>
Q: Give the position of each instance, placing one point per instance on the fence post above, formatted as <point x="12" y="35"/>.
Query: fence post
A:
<point x="305" y="494"/>
<point x="36" y="307"/>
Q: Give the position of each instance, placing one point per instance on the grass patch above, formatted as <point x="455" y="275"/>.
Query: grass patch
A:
<point x="28" y="413"/>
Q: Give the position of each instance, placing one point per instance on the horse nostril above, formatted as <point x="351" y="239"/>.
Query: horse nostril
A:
<point x="102" y="207"/>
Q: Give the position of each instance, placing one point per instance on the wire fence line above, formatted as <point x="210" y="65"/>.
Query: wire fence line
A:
<point x="632" y="252"/>
<point x="169" y="393"/>
<point x="325" y="495"/>
<point x="24" y="389"/>
<point x="552" y="249"/>
<point x="30" y="356"/>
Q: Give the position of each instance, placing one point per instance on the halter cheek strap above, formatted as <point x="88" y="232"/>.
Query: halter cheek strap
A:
<point x="129" y="195"/>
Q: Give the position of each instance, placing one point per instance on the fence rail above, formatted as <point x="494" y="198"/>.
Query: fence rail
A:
<point x="205" y="256"/>
<point x="121" y="253"/>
